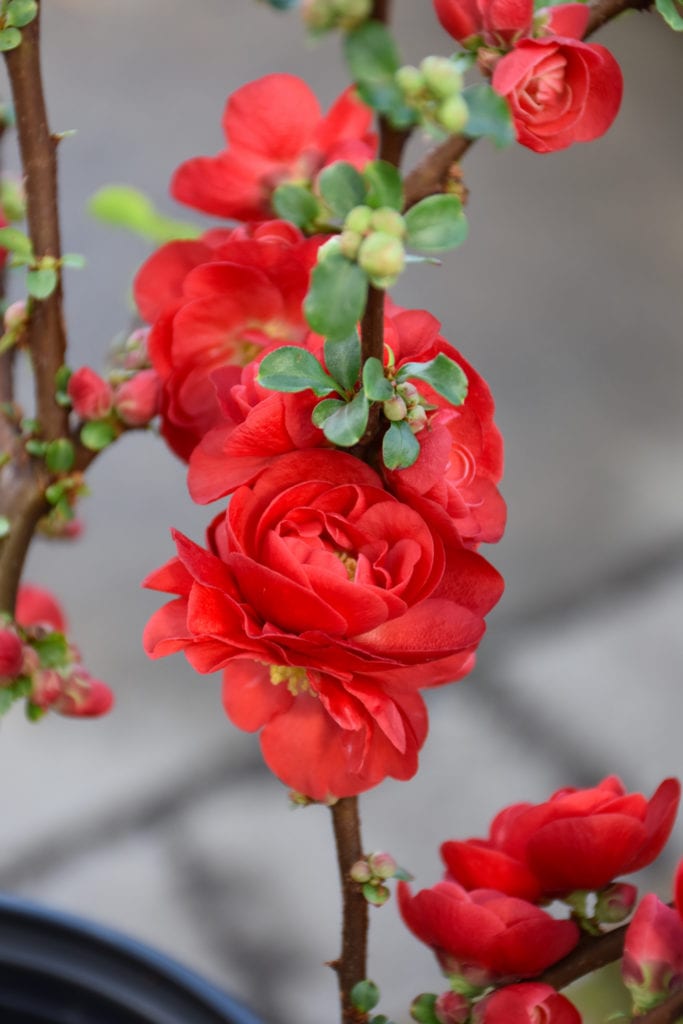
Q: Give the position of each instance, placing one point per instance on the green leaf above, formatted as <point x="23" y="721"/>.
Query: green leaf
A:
<point x="55" y="492"/>
<point x="436" y="223"/>
<point x="42" y="282"/>
<point x="400" y="447"/>
<point x="342" y="187"/>
<point x="60" y="455"/>
<point x="21" y="12"/>
<point x="377" y="387"/>
<point x="73" y="259"/>
<point x="5" y="526"/>
<point x="422" y="1009"/>
<point x="35" y="447"/>
<point x="34" y="712"/>
<point x="385" y="187"/>
<point x="489" y="115"/>
<point x="442" y="373"/>
<point x="6" y="700"/>
<point x="125" y="207"/>
<point x="671" y="13"/>
<point x="342" y="359"/>
<point x="325" y="409"/>
<point x="10" y="38"/>
<point x="337" y="296"/>
<point x="371" y="53"/>
<point x="16" y="242"/>
<point x="97" y="434"/>
<point x="364" y="995"/>
<point x="346" y="426"/>
<point x="62" y="378"/>
<point x="53" y="650"/>
<point x="292" y="369"/>
<point x="296" y="204"/>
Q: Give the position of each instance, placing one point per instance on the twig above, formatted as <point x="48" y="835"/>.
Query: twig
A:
<point x="351" y="966"/>
<point x="590" y="954"/>
<point x="668" y="1012"/>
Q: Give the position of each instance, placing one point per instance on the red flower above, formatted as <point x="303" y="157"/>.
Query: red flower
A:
<point x="216" y="303"/>
<point x="652" y="966"/>
<point x="530" y="1003"/>
<point x="11" y="654"/>
<point x="91" y="396"/>
<point x="276" y="133"/>
<point x="501" y="23"/>
<point x="578" y="839"/>
<point x="37" y="607"/>
<point x="318" y="578"/>
<point x="461" y="458"/>
<point x="560" y="91"/>
<point x="484" y="936"/>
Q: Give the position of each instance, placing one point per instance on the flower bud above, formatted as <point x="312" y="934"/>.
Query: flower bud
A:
<point x="360" y="872"/>
<point x="321" y="15"/>
<point x="441" y="76"/>
<point x="46" y="687"/>
<point x="91" y="397"/>
<point x="652" y="966"/>
<point x="395" y="409"/>
<point x="453" y="114"/>
<point x="13" y="198"/>
<point x="389" y="221"/>
<point x="417" y="418"/>
<point x="15" y="315"/>
<point x="410" y="81"/>
<point x="11" y="655"/>
<point x="382" y="257"/>
<point x="358" y="219"/>
<point x="349" y="243"/>
<point x="83" y="697"/>
<point x="138" y="400"/>
<point x="615" y="902"/>
<point x="452" y="1008"/>
<point x="382" y="865"/>
<point x="408" y="392"/>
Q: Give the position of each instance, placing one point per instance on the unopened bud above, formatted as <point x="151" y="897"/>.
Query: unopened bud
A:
<point x="395" y="409"/>
<point x="360" y="872"/>
<point x="417" y="418"/>
<point x="83" y="697"/>
<point x="409" y="392"/>
<point x="13" y="199"/>
<point x="389" y="221"/>
<point x="321" y="15"/>
<point x="453" y="114"/>
<point x="46" y="687"/>
<point x="452" y="1008"/>
<point x="441" y="76"/>
<point x="358" y="219"/>
<point x="376" y="894"/>
<point x="382" y="865"/>
<point x="11" y="655"/>
<point x="383" y="258"/>
<point x="91" y="397"/>
<point x="615" y="902"/>
<point x="349" y="243"/>
<point x="15" y="315"/>
<point x="138" y="400"/>
<point x="410" y="80"/>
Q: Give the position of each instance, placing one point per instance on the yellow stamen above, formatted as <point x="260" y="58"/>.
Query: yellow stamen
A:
<point x="349" y="563"/>
<point x="296" y="678"/>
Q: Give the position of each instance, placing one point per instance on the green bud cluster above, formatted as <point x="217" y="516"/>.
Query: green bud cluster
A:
<point x="406" y="404"/>
<point x="374" y="239"/>
<point x="434" y="90"/>
<point x="372" y="872"/>
<point x="324" y="15"/>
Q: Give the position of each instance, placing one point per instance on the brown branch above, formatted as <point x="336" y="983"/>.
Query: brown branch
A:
<point x="591" y="953"/>
<point x="46" y="334"/>
<point x="431" y="175"/>
<point x="668" y="1012"/>
<point x="381" y="11"/>
<point x="352" y="964"/>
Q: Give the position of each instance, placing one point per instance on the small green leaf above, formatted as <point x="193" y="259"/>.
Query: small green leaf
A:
<point x="371" y="53"/>
<point x="42" y="282"/>
<point x="436" y="223"/>
<point x="21" y="687"/>
<point x="400" y="447"/>
<point x="376" y="894"/>
<point x="16" y="242"/>
<point x="296" y="204"/>
<point x="10" y="38"/>
<point x="422" y="1009"/>
<point x="6" y="700"/>
<point x="125" y="207"/>
<point x="342" y="359"/>
<point x="342" y="187"/>
<point x="73" y="259"/>
<point x="346" y="426"/>
<point x="364" y="996"/>
<point x="55" y="493"/>
<point x="292" y="369"/>
<point x="337" y="296"/>
<point x="97" y="434"/>
<point x="671" y="13"/>
<point x="35" y="447"/>
<point x="325" y="409"/>
<point x="489" y="115"/>
<point x="377" y="387"/>
<point x="53" y="650"/>
<point x="60" y="455"/>
<point x="62" y="378"/>
<point x="34" y="712"/>
<point x="402" y="875"/>
<point x="385" y="187"/>
<point x="442" y="373"/>
<point x="21" y="12"/>
<point x="5" y="526"/>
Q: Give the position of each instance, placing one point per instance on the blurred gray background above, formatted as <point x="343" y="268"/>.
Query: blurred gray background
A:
<point x="568" y="297"/>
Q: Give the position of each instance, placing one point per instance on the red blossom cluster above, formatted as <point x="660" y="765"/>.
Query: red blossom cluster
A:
<point x="331" y="592"/>
<point x="487" y="929"/>
<point x="560" y="89"/>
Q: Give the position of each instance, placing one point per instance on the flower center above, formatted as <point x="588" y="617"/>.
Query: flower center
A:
<point x="349" y="563"/>
<point x="295" y="677"/>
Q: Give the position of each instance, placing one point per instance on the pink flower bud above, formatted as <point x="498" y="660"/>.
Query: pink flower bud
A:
<point x="360" y="872"/>
<point x="46" y="687"/>
<point x="37" y="607"/>
<point x="652" y="967"/>
<point x="382" y="865"/>
<point x="452" y="1008"/>
<point x="83" y="697"/>
<point x="11" y="654"/>
<point x="138" y="400"/>
<point x="615" y="903"/>
<point x="90" y="395"/>
<point x="15" y="315"/>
